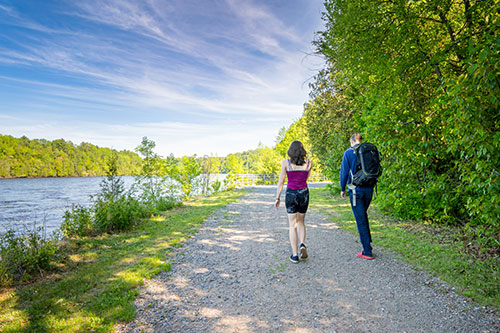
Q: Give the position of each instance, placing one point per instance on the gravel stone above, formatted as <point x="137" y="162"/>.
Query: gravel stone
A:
<point x="234" y="276"/>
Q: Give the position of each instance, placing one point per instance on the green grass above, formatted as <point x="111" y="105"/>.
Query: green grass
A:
<point x="97" y="283"/>
<point x="439" y="251"/>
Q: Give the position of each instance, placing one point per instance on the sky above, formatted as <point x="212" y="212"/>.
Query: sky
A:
<point x="206" y="77"/>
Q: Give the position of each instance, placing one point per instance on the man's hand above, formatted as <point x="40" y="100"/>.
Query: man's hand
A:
<point x="342" y="194"/>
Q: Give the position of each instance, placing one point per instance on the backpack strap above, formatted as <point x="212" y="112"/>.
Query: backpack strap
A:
<point x="351" y="186"/>
<point x="353" y="190"/>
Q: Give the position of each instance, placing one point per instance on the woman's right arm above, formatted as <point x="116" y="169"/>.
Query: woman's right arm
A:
<point x="281" y="183"/>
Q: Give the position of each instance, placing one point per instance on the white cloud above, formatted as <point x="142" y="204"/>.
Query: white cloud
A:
<point x="247" y="77"/>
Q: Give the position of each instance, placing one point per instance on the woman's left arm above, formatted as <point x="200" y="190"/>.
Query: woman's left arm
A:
<point x="310" y="168"/>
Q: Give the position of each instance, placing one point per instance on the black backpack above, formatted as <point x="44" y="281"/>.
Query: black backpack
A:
<point x="368" y="167"/>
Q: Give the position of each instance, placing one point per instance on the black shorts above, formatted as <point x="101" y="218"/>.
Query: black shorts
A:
<point x="297" y="201"/>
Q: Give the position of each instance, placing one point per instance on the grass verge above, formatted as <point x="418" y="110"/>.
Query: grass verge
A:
<point x="96" y="286"/>
<point x="438" y="251"/>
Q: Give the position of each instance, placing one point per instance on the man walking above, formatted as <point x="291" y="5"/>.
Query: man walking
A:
<point x="360" y="196"/>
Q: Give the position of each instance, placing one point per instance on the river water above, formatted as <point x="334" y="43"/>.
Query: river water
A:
<point x="25" y="202"/>
<point x="42" y="201"/>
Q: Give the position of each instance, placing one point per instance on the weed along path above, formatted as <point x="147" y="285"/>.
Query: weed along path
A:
<point x="234" y="275"/>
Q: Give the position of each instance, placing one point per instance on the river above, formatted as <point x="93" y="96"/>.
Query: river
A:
<point x="25" y="202"/>
<point x="42" y="201"/>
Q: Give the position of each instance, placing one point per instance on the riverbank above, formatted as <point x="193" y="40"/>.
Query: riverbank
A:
<point x="96" y="283"/>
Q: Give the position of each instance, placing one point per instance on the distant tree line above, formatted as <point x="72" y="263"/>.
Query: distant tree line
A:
<point x="22" y="157"/>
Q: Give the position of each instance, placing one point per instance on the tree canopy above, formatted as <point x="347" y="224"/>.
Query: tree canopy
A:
<point x="420" y="79"/>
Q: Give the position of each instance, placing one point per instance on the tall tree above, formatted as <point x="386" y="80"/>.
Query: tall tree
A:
<point x="420" y="80"/>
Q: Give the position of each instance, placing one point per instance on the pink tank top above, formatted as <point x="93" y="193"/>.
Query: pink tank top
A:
<point x="297" y="179"/>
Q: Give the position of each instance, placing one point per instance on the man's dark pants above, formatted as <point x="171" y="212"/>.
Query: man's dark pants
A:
<point x="363" y="199"/>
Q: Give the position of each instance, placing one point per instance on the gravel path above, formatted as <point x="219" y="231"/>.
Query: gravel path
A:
<point x="235" y="276"/>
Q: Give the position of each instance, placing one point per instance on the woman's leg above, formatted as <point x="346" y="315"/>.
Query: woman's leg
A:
<point x="292" y="224"/>
<point x="301" y="227"/>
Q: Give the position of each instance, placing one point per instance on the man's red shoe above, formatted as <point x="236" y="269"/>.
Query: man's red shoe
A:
<point x="361" y="255"/>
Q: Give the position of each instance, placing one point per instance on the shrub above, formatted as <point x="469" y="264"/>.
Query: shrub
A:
<point x="165" y="203"/>
<point x="118" y="214"/>
<point x="78" y="221"/>
<point x="25" y="256"/>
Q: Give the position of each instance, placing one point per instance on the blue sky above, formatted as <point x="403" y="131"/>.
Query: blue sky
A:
<point x="197" y="77"/>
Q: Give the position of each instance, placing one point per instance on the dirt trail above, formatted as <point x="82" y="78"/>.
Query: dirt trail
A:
<point x="235" y="276"/>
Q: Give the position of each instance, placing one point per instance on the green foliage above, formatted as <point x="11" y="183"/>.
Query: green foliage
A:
<point x="25" y="256"/>
<point x="266" y="161"/>
<point x="216" y="186"/>
<point x="108" y="214"/>
<point x="473" y="131"/>
<point x="329" y="122"/>
<point x="22" y="157"/>
<point x="113" y="209"/>
<point x="78" y="221"/>
<point x="233" y="165"/>
<point x="185" y="171"/>
<point x="210" y="165"/>
<point x="118" y="214"/>
<point x="151" y="161"/>
<point x="154" y="185"/>
<point x="419" y="80"/>
<point x="298" y="130"/>
<point x="112" y="187"/>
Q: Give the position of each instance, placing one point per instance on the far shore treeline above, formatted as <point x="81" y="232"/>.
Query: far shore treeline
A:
<point x="22" y="157"/>
<point x="33" y="158"/>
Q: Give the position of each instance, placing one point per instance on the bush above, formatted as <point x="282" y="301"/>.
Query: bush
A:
<point x="165" y="203"/>
<point x="78" y="221"/>
<point x="113" y="209"/>
<point x="106" y="215"/>
<point x="25" y="256"/>
<point x="118" y="214"/>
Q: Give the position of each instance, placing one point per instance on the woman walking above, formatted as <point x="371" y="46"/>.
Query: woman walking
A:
<point x="360" y="197"/>
<point x="297" y="169"/>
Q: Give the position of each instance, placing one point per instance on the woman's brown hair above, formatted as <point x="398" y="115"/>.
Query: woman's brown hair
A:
<point x="297" y="153"/>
